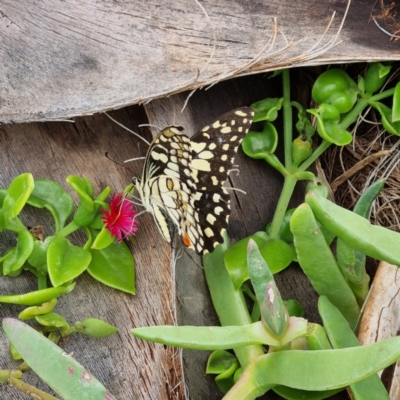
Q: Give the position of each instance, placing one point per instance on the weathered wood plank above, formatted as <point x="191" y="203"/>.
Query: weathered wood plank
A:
<point x="131" y="369"/>
<point x="69" y="58"/>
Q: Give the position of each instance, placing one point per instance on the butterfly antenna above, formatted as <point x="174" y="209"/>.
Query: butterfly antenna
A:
<point x="127" y="129"/>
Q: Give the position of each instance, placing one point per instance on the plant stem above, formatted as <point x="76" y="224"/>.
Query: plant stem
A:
<point x="42" y="281"/>
<point x="30" y="390"/>
<point x="382" y="95"/>
<point x="6" y="374"/>
<point x="287" y="119"/>
<point x="290" y="181"/>
<point x="286" y="194"/>
<point x="67" y="230"/>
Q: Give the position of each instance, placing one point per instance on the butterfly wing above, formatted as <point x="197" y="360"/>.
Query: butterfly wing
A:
<point x="182" y="179"/>
<point x="172" y="201"/>
<point x="213" y="153"/>
<point x="169" y="154"/>
<point x="215" y="146"/>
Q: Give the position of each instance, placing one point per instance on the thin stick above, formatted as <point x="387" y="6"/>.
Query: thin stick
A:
<point x="384" y="30"/>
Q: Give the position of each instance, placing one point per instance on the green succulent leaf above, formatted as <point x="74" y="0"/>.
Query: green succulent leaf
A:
<point x="15" y="259"/>
<point x="267" y="109"/>
<point x="38" y="297"/>
<point x="66" y="261"/>
<point x="17" y="195"/>
<point x="374" y="241"/>
<point x="235" y="258"/>
<point x="114" y="266"/>
<point x="260" y="145"/>
<point x="396" y="104"/>
<point x="50" y="195"/>
<point x="388" y="123"/>
<point x="64" y="374"/>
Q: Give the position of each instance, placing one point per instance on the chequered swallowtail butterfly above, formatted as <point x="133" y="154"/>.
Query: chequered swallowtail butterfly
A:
<point x="182" y="180"/>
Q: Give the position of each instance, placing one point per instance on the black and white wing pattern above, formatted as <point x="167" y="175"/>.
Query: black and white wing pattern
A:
<point x="182" y="180"/>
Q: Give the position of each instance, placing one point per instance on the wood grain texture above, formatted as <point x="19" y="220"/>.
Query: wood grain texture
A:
<point x="69" y="58"/>
<point x="250" y="213"/>
<point x="381" y="320"/>
<point x="130" y="368"/>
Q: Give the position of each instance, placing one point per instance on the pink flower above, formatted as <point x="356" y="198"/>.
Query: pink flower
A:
<point x="119" y="220"/>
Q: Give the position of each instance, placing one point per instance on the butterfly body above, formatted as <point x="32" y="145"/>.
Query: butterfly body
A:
<point x="181" y="183"/>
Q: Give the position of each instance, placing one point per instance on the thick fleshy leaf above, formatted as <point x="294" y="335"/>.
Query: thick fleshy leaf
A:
<point x="341" y="337"/>
<point x="301" y="149"/>
<point x="32" y="312"/>
<point x="261" y="144"/>
<point x="17" y="195"/>
<point x="267" y="109"/>
<point x="16" y="258"/>
<point x="101" y="198"/>
<point x="351" y="261"/>
<point x="318" y="263"/>
<point x="38" y="257"/>
<point x="297" y="394"/>
<point x="229" y="303"/>
<point x="3" y="194"/>
<point x="50" y="195"/>
<point x="82" y="186"/>
<point x="219" y="361"/>
<point x="97" y="328"/>
<point x="220" y="337"/>
<point x="316" y="338"/>
<point x="278" y="254"/>
<point x="224" y="364"/>
<point x="375" y="77"/>
<point x="273" y="312"/>
<point x="235" y="258"/>
<point x="332" y="132"/>
<point x="396" y="104"/>
<point x="284" y="232"/>
<point x="114" y="266"/>
<point x="374" y="241"/>
<point x="103" y="239"/>
<point x="66" y="261"/>
<point x="391" y="126"/>
<point x="314" y="370"/>
<point x="52" y="319"/>
<point x="294" y="308"/>
<point x="60" y="371"/>
<point x="86" y="212"/>
<point x="38" y="297"/>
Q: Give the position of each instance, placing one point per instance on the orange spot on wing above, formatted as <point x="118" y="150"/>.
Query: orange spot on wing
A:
<point x="185" y="239"/>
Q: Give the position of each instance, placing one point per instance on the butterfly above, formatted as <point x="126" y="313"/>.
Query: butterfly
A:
<point x="182" y="180"/>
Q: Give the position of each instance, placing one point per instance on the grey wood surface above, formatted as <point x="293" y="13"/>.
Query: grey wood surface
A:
<point x="131" y="368"/>
<point x="68" y="58"/>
